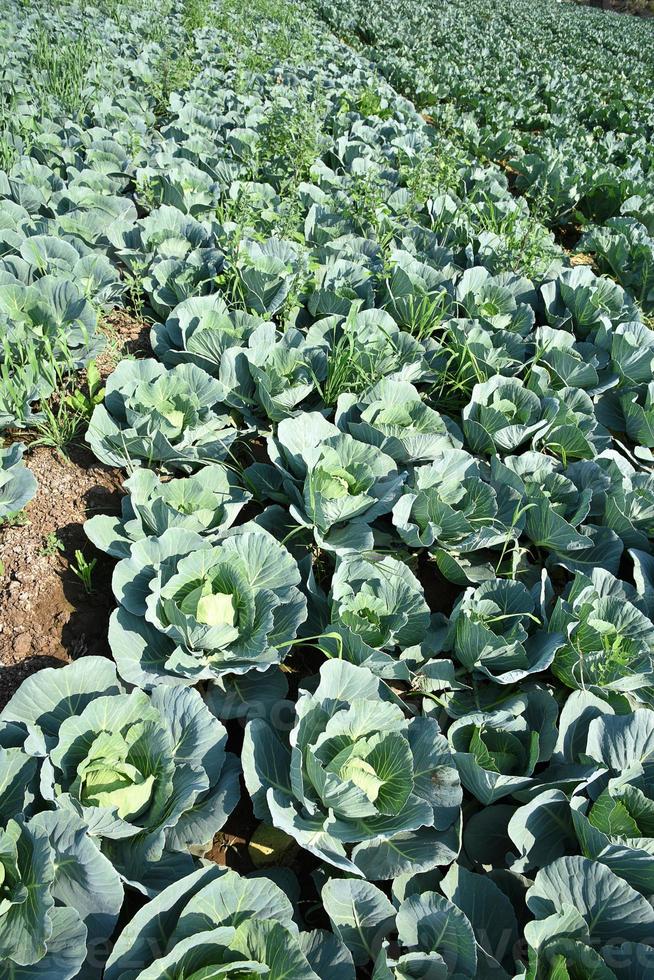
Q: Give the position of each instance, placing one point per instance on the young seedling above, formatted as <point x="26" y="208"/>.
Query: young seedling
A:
<point x="51" y="545"/>
<point x="84" y="570"/>
<point x="17" y="518"/>
<point x="83" y="403"/>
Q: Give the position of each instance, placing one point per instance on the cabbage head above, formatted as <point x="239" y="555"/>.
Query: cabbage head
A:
<point x="192" y="610"/>
<point x="160" y="418"/>
<point x="357" y="783"/>
<point x="148" y="774"/>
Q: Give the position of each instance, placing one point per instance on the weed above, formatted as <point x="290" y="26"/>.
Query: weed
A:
<point x="368" y="202"/>
<point x="135" y="292"/>
<point x="81" y="402"/>
<point x="51" y="545"/>
<point x="290" y="142"/>
<point x="432" y="171"/>
<point x="458" y="372"/>
<point x="83" y="569"/>
<point x="61" y="67"/>
<point x="350" y="367"/>
<point x="58" y="427"/>
<point x="17" y="518"/>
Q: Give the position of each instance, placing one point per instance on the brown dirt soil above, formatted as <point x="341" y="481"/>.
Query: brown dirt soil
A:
<point x="125" y="336"/>
<point x="636" y="8"/>
<point x="230" y="845"/>
<point x="583" y="258"/>
<point x="45" y="613"/>
<point x="46" y="617"/>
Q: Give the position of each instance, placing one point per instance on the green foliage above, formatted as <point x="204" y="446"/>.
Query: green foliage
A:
<point x="17" y="484"/>
<point x="51" y="545"/>
<point x="83" y="569"/>
<point x="389" y="500"/>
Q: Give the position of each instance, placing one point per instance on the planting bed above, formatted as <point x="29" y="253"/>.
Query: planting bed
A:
<point x="560" y="96"/>
<point x="327" y="491"/>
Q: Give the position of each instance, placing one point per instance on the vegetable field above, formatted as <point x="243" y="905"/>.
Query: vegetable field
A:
<point x="326" y="491"/>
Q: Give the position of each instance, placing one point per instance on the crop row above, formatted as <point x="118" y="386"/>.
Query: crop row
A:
<point x="385" y="549"/>
<point x="560" y="95"/>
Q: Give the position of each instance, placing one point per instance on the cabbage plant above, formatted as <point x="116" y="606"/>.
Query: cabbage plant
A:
<point x="374" y="344"/>
<point x="562" y="361"/>
<point x="160" y="418"/>
<point x="17" y="483"/>
<point x="22" y="388"/>
<point x="503" y="301"/>
<point x="612" y="814"/>
<point x="60" y="898"/>
<point x="621" y="497"/>
<point x="148" y="774"/>
<point x="206" y="503"/>
<point x="73" y="260"/>
<point x="585" y="304"/>
<point x="356" y="783"/>
<point x="608" y="637"/>
<point x="54" y="314"/>
<point x="554" y="506"/>
<point x="286" y="375"/>
<point x="455" y="507"/>
<point x="502" y="415"/>
<point x="557" y="510"/>
<point x="470" y="351"/>
<point x="637" y="409"/>
<point x="202" y="330"/>
<point x="393" y="417"/>
<point x="266" y="273"/>
<point x="215" y="923"/>
<point x="623" y="250"/>
<point x="631" y="353"/>
<point x="573" y="431"/>
<point x="175" y="181"/>
<point x="587" y="922"/>
<point x="497" y="751"/>
<point x="48" y="329"/>
<point x="336" y="485"/>
<point x="341" y="280"/>
<point x="455" y="932"/>
<point x="169" y="281"/>
<point x="378" y="611"/>
<point x="494" y="630"/>
<point x="192" y="610"/>
<point x="414" y="287"/>
<point x="263" y="372"/>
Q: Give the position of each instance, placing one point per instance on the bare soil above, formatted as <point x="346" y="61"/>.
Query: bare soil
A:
<point x="47" y="618"/>
<point x="636" y="8"/>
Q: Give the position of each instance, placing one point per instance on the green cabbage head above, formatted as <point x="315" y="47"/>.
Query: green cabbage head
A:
<point x="192" y="610"/>
<point x="148" y="774"/>
<point x="357" y="783"/>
